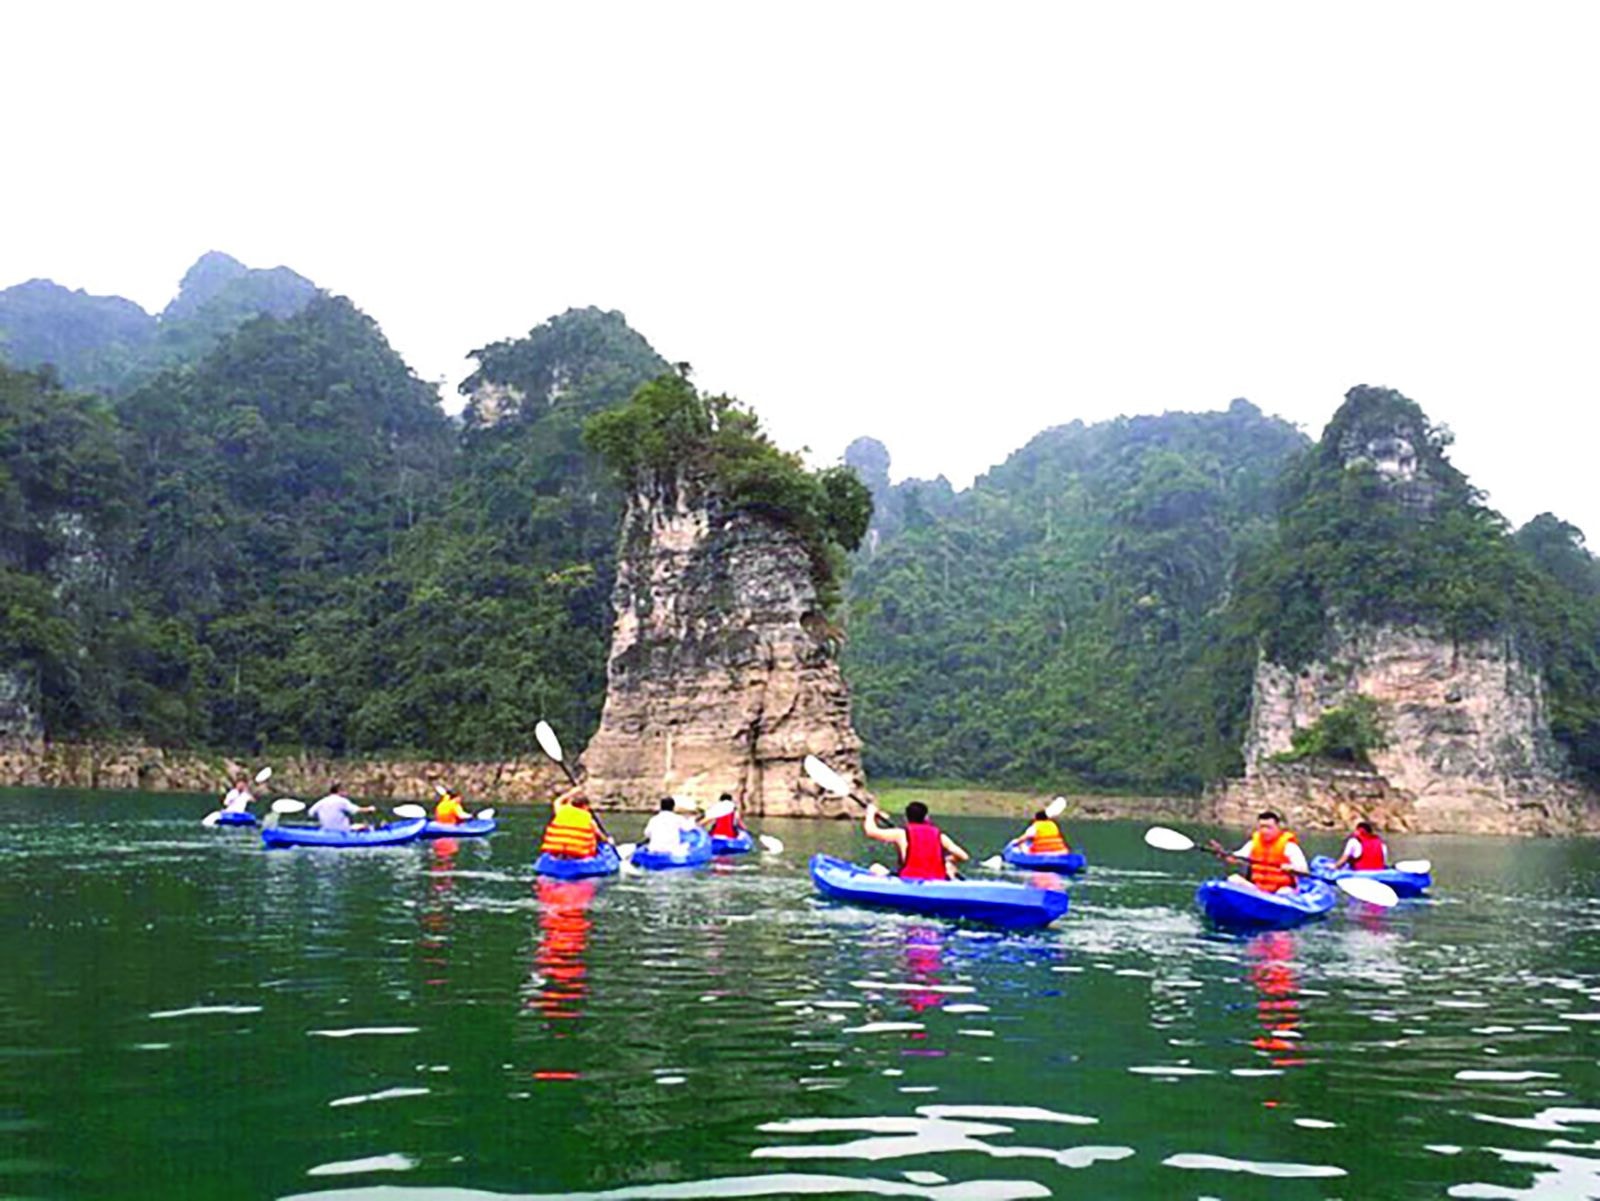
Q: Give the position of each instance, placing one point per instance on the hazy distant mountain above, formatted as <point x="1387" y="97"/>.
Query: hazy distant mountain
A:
<point x="108" y="343"/>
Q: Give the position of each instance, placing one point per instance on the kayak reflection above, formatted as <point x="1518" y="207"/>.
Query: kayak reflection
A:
<point x="438" y="912"/>
<point x="1276" y="979"/>
<point x="564" y="927"/>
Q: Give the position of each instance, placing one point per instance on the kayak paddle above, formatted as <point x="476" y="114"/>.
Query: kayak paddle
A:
<point x="1053" y="810"/>
<point x="771" y="844"/>
<point x="483" y="815"/>
<point x="1420" y="867"/>
<point x="264" y="775"/>
<point x="551" y="746"/>
<point x="830" y="781"/>
<point x="1373" y="892"/>
<point x="280" y="807"/>
<point x="410" y="812"/>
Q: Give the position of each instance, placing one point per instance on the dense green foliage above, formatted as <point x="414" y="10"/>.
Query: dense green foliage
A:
<point x="1347" y="733"/>
<point x="669" y="431"/>
<point x="288" y="544"/>
<point x="1061" y="621"/>
<point x="110" y="344"/>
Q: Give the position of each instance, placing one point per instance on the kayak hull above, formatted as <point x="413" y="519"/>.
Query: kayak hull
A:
<point x="312" y="836"/>
<point x="741" y="845"/>
<point x="994" y="902"/>
<point x="1405" y="884"/>
<point x="695" y="851"/>
<point x="237" y="819"/>
<point x="1066" y="863"/>
<point x="604" y="863"/>
<point x="1245" y="906"/>
<point x="473" y="828"/>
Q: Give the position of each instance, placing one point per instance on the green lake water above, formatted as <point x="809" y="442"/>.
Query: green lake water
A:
<point x="185" y="1015"/>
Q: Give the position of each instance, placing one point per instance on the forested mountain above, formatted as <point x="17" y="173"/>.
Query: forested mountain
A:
<point x="1377" y="527"/>
<point x="287" y="542"/>
<point x="1061" y="620"/>
<point x="278" y="538"/>
<point x="108" y="344"/>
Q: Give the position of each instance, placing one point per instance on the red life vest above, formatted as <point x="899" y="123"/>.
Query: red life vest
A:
<point x="1267" y="860"/>
<point x="1374" y="855"/>
<point x="725" y="827"/>
<point x="924" y="853"/>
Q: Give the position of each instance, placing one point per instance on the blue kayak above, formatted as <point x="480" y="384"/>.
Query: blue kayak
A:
<point x="1405" y="884"/>
<point x="1067" y="863"/>
<point x="999" y="903"/>
<point x="472" y="828"/>
<point x="236" y="819"/>
<point x="1229" y="903"/>
<point x="694" y="850"/>
<point x="741" y="845"/>
<point x="315" y="836"/>
<point x="603" y="863"/>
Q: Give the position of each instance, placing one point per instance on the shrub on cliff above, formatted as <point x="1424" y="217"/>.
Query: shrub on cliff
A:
<point x="669" y="430"/>
<point x="1348" y="733"/>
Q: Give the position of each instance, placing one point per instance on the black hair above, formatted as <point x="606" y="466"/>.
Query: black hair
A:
<point x="727" y="796"/>
<point x="668" y="804"/>
<point x="1269" y="815"/>
<point x="1041" y="816"/>
<point x="1367" y="828"/>
<point x="916" y="812"/>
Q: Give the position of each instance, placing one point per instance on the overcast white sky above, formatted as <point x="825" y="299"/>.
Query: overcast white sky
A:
<point x="945" y="226"/>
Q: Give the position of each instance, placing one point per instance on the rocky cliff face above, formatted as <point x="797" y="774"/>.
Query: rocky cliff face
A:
<point x="1469" y="739"/>
<point x="19" y="713"/>
<point x="723" y="673"/>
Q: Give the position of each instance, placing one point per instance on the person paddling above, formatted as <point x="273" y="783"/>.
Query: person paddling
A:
<point x="926" y="852"/>
<point x="1273" y="853"/>
<point x="333" y="811"/>
<point x="664" y="832"/>
<point x="450" y="811"/>
<point x="1044" y="837"/>
<point x="728" y="825"/>
<point x="239" y="797"/>
<point x="574" y="832"/>
<point x="1363" y="851"/>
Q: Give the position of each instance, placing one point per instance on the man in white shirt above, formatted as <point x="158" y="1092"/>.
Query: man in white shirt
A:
<point x="238" y="798"/>
<point x="665" y="830"/>
<point x="333" y="811"/>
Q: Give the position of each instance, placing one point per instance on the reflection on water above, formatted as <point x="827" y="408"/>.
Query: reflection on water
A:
<point x="1272" y="973"/>
<point x="436" y="1022"/>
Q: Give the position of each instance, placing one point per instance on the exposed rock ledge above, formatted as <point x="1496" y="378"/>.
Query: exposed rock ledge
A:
<point x="1469" y="744"/>
<point x="723" y="674"/>
<point x="37" y="764"/>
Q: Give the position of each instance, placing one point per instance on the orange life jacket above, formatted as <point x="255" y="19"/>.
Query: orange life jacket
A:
<point x="571" y="834"/>
<point x="449" y="810"/>
<point x="924" y="853"/>
<point x="1374" y="855"/>
<point x="725" y="826"/>
<point x="1046" y="838"/>
<point x="1267" y="860"/>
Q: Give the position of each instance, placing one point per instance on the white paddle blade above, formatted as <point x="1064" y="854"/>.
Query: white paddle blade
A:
<point x="410" y="812"/>
<point x="440" y="790"/>
<point x="625" y="852"/>
<point x="770" y="844"/>
<point x="483" y="815"/>
<point x="1420" y="867"/>
<point x="263" y="775"/>
<point x="683" y="804"/>
<point x="824" y="777"/>
<point x="1164" y="839"/>
<point x="211" y="819"/>
<point x="548" y="742"/>
<point x="288" y="805"/>
<point x="1056" y="808"/>
<point x="994" y="863"/>
<point x="1373" y="892"/>
<point x="720" y="809"/>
